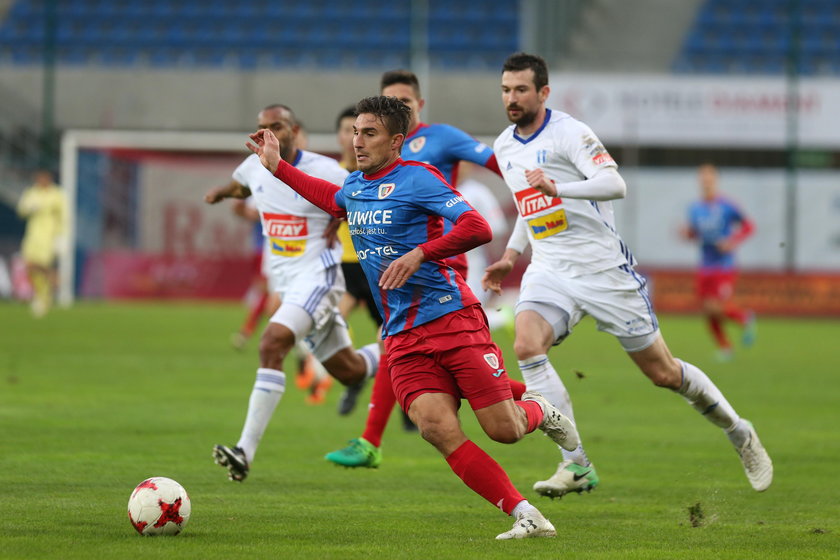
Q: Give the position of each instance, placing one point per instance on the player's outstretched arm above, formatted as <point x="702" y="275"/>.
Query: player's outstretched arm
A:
<point x="319" y="192"/>
<point x="231" y="190"/>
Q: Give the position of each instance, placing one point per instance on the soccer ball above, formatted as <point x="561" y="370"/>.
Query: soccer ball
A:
<point x="159" y="506"/>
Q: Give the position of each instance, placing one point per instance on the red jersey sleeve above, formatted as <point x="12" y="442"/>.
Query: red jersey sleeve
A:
<point x="470" y="231"/>
<point x="319" y="192"/>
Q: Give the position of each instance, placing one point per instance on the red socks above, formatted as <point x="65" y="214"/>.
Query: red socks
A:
<point x="382" y="400"/>
<point x="534" y="413"/>
<point x="716" y="326"/>
<point x="736" y="314"/>
<point x="254" y="315"/>
<point x="517" y="388"/>
<point x="484" y="476"/>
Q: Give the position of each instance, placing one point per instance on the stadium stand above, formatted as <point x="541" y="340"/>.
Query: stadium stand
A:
<point x="217" y="33"/>
<point x="757" y="37"/>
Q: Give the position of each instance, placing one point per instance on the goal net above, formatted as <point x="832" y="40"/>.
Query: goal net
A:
<point x="138" y="226"/>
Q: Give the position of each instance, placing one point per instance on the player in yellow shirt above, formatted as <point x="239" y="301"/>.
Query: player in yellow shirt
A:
<point x="43" y="207"/>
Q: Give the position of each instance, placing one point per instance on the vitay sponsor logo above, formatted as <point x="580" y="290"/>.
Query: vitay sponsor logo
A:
<point x="284" y="226"/>
<point x="530" y="201"/>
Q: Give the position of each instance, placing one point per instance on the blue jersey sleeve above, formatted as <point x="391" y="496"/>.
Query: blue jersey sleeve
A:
<point x="734" y="213"/>
<point x="462" y="146"/>
<point x="436" y="197"/>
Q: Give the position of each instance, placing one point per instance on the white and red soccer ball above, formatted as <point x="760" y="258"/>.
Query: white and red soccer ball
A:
<point x="159" y="506"/>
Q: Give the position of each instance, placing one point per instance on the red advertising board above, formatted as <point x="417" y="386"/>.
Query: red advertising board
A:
<point x="773" y="293"/>
<point x="129" y="275"/>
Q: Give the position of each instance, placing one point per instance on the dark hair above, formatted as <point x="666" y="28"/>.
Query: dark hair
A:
<point x="393" y="113"/>
<point x="346" y="113"/>
<point x="292" y="118"/>
<point x="400" y="77"/>
<point x="523" y="61"/>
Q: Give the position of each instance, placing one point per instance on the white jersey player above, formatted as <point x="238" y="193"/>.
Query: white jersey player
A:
<point x="562" y="180"/>
<point x="307" y="275"/>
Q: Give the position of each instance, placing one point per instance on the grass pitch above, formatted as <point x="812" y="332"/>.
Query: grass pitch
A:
<point x="97" y="398"/>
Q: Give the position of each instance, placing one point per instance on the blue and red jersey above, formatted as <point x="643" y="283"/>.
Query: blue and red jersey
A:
<point x="712" y="221"/>
<point x="389" y="214"/>
<point x="443" y="146"/>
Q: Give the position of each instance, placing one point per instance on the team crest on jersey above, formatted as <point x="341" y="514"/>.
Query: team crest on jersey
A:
<point x="386" y="189"/>
<point x="492" y="360"/>
<point x="531" y="201"/>
<point x="417" y="144"/>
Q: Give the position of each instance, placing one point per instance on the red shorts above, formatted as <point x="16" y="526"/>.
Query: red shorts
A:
<point x="716" y="284"/>
<point x="453" y="354"/>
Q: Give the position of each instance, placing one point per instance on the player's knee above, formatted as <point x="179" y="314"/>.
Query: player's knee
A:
<point x="435" y="431"/>
<point x="346" y="366"/>
<point x="527" y="347"/>
<point x="509" y="432"/>
<point x="273" y="351"/>
<point x="665" y="374"/>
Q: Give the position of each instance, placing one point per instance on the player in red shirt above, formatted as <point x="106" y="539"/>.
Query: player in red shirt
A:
<point x="719" y="226"/>
<point x="436" y="337"/>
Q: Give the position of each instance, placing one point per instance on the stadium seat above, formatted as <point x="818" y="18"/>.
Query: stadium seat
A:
<point x="755" y="35"/>
<point x="163" y="32"/>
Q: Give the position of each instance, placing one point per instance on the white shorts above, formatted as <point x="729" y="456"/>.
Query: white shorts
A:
<point x="616" y="298"/>
<point x="310" y="310"/>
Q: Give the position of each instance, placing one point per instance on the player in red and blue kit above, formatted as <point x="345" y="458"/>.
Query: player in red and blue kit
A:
<point x="436" y="335"/>
<point x="442" y="146"/>
<point x="719" y="226"/>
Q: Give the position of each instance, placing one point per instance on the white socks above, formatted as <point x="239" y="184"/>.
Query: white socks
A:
<point x="370" y="354"/>
<point x="541" y="377"/>
<point x="707" y="399"/>
<point x="265" y="395"/>
<point x="523" y="508"/>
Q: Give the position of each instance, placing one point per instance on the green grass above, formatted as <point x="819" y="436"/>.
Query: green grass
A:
<point x="96" y="398"/>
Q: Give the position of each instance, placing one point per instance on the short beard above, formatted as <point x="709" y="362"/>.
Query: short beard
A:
<point x="526" y="120"/>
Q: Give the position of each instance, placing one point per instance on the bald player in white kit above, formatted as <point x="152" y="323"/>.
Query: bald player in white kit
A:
<point x="562" y="179"/>
<point x="307" y="275"/>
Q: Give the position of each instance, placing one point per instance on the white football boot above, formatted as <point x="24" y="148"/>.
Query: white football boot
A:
<point x="555" y="424"/>
<point x="529" y="525"/>
<point x="757" y="464"/>
<point x="570" y="477"/>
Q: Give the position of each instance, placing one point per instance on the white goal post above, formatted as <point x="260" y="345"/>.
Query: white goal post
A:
<point x="174" y="142"/>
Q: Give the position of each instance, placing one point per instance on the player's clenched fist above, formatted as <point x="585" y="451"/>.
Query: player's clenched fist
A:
<point x="537" y="179"/>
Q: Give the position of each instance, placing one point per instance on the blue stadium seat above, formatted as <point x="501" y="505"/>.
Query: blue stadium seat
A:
<point x="753" y="36"/>
<point x="273" y="33"/>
